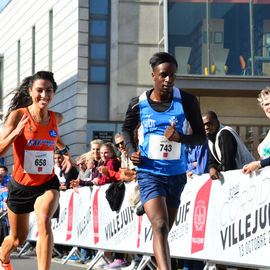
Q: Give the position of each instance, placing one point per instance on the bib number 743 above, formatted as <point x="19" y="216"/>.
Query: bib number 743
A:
<point x="161" y="148"/>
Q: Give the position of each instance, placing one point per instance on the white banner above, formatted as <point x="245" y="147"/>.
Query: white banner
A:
<point x="224" y="221"/>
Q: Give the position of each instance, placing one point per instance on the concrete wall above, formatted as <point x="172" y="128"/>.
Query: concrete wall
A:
<point x="137" y="32"/>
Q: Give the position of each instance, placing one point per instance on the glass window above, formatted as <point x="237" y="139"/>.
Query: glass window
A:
<point x="98" y="50"/>
<point x="98" y="28"/>
<point x="261" y="37"/>
<point x="99" y="7"/>
<point x="98" y="73"/>
<point x="215" y="37"/>
<point x="186" y="23"/>
<point x="230" y="45"/>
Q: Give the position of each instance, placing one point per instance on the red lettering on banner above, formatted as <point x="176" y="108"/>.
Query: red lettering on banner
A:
<point x="200" y="217"/>
<point x="95" y="217"/>
<point x="70" y="218"/>
<point x="139" y="231"/>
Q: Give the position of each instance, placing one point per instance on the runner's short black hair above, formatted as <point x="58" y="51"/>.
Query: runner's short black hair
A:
<point x="162" y="57"/>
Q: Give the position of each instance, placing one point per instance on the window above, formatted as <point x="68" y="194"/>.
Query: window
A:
<point x="99" y="7"/>
<point x="98" y="28"/>
<point x="215" y="38"/>
<point x="99" y="59"/>
<point x="98" y="74"/>
<point x="98" y="50"/>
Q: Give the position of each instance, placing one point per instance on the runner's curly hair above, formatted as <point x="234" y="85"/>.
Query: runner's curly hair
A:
<point x="22" y="97"/>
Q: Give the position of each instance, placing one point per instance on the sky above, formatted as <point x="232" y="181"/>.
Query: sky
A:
<point x="3" y="3"/>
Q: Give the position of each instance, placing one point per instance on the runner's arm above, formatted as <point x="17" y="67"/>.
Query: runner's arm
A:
<point x="14" y="126"/>
<point x="131" y="122"/>
<point x="193" y="114"/>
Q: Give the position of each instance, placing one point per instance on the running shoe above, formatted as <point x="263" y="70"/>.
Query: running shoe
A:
<point x="117" y="263"/>
<point x="5" y="266"/>
<point x="74" y="257"/>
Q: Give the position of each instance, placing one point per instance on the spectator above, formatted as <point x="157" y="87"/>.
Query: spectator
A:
<point x="263" y="148"/>
<point x="84" y="173"/>
<point x="125" y="160"/>
<point x="95" y="150"/>
<point x="227" y="151"/>
<point x="90" y="165"/>
<point x="109" y="160"/>
<point x="87" y="170"/>
<point x="64" y="178"/>
<point x="4" y="172"/>
<point x="4" y="226"/>
<point x="197" y="156"/>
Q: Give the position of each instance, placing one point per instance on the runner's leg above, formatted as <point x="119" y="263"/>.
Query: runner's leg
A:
<point x="157" y="213"/>
<point x="19" y="228"/>
<point x="45" y="206"/>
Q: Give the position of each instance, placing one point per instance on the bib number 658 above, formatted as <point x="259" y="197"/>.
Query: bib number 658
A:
<point x="40" y="162"/>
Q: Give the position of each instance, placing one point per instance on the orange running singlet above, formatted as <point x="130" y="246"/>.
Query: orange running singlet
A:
<point x="33" y="152"/>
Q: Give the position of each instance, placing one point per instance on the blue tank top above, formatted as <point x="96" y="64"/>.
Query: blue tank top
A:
<point x="159" y="155"/>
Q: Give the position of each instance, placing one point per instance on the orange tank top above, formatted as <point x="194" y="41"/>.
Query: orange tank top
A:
<point x="33" y="152"/>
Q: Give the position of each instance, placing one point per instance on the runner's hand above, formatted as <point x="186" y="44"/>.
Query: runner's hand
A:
<point x="171" y="133"/>
<point x="19" y="129"/>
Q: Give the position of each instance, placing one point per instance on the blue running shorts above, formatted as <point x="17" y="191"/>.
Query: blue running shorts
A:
<point x="152" y="186"/>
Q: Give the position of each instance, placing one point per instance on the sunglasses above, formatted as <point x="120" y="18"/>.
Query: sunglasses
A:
<point x="210" y="123"/>
<point x="118" y="144"/>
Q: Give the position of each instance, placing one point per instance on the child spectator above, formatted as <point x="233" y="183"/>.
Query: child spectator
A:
<point x="109" y="159"/>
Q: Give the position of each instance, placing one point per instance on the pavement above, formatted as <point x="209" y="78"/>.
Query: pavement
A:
<point x="29" y="262"/>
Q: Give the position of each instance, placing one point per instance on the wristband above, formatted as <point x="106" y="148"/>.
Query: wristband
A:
<point x="63" y="151"/>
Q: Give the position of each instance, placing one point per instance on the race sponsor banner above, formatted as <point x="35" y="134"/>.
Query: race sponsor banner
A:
<point x="226" y="221"/>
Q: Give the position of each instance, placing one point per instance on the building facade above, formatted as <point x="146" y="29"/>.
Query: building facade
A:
<point x="99" y="50"/>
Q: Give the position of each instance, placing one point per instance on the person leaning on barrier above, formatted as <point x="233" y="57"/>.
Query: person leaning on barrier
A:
<point x="226" y="150"/>
<point x="263" y="148"/>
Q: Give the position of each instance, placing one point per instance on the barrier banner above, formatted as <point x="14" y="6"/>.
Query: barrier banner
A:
<point x="225" y="221"/>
